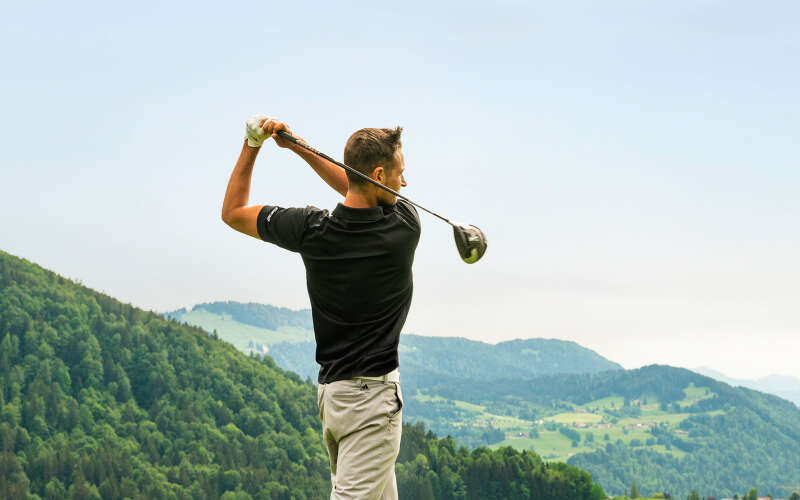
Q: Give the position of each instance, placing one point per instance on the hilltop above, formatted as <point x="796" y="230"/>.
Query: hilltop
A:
<point x="287" y="336"/>
<point x="100" y="399"/>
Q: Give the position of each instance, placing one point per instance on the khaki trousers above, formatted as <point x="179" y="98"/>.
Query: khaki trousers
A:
<point x="361" y="427"/>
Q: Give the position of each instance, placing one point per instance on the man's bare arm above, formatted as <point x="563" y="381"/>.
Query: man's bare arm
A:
<point x="235" y="211"/>
<point x="331" y="173"/>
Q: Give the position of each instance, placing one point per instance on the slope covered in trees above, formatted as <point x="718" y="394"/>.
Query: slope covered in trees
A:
<point x="754" y="440"/>
<point x="639" y="425"/>
<point x="99" y="399"/>
<point x="721" y="442"/>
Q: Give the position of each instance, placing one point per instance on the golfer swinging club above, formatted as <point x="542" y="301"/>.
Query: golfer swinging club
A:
<point x="358" y="262"/>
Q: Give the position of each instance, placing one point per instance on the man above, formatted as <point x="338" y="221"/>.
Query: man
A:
<point x="358" y="262"/>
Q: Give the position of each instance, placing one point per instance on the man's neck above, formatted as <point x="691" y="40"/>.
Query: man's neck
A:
<point x="359" y="199"/>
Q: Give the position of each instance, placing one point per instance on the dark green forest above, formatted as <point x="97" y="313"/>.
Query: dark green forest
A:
<point x="99" y="399"/>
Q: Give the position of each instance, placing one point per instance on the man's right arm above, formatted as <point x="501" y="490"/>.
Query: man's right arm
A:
<point x="331" y="173"/>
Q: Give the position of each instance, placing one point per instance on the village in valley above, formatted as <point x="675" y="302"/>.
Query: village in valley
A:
<point x="587" y="427"/>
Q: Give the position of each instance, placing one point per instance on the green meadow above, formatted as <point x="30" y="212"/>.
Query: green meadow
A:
<point x="240" y="334"/>
<point x="595" y="424"/>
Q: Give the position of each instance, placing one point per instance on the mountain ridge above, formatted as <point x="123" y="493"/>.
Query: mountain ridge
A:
<point x="655" y="415"/>
<point x="784" y="386"/>
<point x="448" y="355"/>
<point x="99" y="399"/>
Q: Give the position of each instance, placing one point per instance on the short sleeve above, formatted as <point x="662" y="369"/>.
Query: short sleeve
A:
<point x="409" y="213"/>
<point x="284" y="227"/>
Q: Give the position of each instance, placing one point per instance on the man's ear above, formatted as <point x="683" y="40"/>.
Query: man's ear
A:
<point x="379" y="174"/>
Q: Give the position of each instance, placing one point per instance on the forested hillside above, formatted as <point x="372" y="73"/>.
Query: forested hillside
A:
<point x="424" y="361"/>
<point x="666" y="429"/>
<point x="520" y="358"/>
<point x="99" y="399"/>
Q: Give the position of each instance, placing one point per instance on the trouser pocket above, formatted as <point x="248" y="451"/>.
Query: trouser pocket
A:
<point x="397" y="400"/>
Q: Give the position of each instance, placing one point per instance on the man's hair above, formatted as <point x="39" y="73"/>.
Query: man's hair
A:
<point x="369" y="147"/>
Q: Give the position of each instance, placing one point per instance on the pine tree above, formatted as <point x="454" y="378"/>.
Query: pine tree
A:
<point x="634" y="491"/>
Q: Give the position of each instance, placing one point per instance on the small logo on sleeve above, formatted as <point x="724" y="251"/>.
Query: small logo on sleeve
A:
<point x="269" y="216"/>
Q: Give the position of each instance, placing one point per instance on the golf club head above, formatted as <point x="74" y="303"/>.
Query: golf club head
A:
<point x="470" y="241"/>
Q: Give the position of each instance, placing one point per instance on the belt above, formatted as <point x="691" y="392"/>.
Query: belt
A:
<point x="392" y="376"/>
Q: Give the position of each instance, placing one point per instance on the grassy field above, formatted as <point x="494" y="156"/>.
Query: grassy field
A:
<point x="478" y="412"/>
<point x="575" y="418"/>
<point x="471" y="407"/>
<point x="656" y="417"/>
<point x="240" y="334"/>
<point x="695" y="394"/>
<point x="552" y="445"/>
<point x="603" y="404"/>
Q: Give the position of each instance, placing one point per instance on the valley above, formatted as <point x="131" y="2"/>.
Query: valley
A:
<point x="666" y="429"/>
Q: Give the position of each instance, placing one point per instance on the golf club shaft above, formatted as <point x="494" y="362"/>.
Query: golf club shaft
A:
<point x="303" y="145"/>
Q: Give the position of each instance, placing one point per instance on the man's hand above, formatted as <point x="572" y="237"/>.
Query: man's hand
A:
<point x="271" y="126"/>
<point x="254" y="135"/>
<point x="262" y="127"/>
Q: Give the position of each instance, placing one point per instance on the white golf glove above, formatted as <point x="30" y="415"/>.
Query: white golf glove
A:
<point x="255" y="136"/>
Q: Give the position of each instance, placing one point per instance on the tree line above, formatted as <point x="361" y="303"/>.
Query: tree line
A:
<point x="99" y="399"/>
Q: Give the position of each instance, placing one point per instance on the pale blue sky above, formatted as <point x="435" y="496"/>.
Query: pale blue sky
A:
<point x="633" y="164"/>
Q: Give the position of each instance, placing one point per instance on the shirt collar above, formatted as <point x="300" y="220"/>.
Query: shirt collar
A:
<point x="364" y="214"/>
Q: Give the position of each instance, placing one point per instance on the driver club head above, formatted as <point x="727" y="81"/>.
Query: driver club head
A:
<point x="470" y="241"/>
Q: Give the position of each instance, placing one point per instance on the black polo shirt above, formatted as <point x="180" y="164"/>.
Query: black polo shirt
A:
<point x="358" y="274"/>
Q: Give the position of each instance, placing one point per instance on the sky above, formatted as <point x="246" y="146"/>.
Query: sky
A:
<point x="633" y="164"/>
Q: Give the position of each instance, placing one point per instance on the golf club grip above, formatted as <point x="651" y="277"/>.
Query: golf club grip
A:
<point x="303" y="145"/>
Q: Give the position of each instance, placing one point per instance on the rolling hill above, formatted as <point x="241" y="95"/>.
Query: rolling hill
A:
<point x="99" y="399"/>
<point x="666" y="429"/>
<point x="288" y="337"/>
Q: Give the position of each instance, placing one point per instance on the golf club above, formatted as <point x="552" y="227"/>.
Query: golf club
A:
<point x="470" y="241"/>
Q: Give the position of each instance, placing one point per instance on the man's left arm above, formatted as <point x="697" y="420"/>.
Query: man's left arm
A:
<point x="235" y="211"/>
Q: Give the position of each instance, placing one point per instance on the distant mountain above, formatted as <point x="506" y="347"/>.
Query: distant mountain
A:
<point x="249" y="327"/>
<point x="426" y="359"/>
<point x="258" y="315"/>
<point x="521" y="358"/>
<point x="780" y="385"/>
<point x="287" y="336"/>
<point x="99" y="399"/>
<point x="664" y="428"/>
